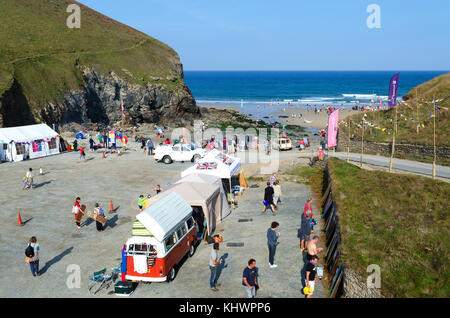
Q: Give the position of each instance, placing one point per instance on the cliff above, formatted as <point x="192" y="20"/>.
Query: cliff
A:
<point x="54" y="74"/>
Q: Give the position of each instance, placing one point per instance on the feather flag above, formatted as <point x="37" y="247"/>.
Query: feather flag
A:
<point x="123" y="109"/>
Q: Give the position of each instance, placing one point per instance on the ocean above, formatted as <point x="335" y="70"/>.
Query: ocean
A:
<point x="264" y="92"/>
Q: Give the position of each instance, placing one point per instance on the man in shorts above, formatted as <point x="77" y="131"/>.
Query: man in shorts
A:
<point x="305" y="231"/>
<point x="313" y="250"/>
<point x="311" y="272"/>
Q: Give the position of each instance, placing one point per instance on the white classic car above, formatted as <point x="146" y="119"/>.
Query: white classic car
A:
<point x="178" y="152"/>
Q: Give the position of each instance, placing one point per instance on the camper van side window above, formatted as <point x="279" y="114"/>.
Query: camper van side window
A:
<point x="190" y="223"/>
<point x="170" y="242"/>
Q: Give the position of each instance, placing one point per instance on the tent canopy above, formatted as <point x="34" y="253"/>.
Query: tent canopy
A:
<point x="206" y="196"/>
<point x="222" y="165"/>
<point x="212" y="180"/>
<point x="26" y="133"/>
<point x="163" y="216"/>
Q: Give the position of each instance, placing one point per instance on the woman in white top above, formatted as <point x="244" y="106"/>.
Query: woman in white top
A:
<point x="277" y="192"/>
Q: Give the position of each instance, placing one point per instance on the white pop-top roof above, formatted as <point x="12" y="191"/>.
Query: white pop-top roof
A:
<point x="26" y="133"/>
<point x="222" y="169"/>
<point x="163" y="216"/>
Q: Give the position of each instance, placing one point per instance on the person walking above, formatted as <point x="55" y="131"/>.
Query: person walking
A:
<point x="82" y="155"/>
<point x="76" y="210"/>
<point x="32" y="253"/>
<point x="249" y="279"/>
<point x="272" y="242"/>
<point x="98" y="211"/>
<point x="213" y="262"/>
<point x="311" y="271"/>
<point x="268" y="199"/>
<point x="273" y="178"/>
<point x="141" y="200"/>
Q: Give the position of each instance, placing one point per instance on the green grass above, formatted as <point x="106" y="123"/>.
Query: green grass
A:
<point x="409" y="114"/>
<point x="396" y="221"/>
<point x="305" y="174"/>
<point x="44" y="55"/>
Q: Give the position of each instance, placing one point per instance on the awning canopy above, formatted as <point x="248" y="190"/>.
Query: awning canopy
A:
<point x="207" y="179"/>
<point x="163" y="216"/>
<point x="216" y="164"/>
<point x="206" y="196"/>
<point x="26" y="133"/>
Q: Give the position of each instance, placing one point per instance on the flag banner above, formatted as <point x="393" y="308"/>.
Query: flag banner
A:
<point x="393" y="89"/>
<point x="333" y="128"/>
<point x="123" y="109"/>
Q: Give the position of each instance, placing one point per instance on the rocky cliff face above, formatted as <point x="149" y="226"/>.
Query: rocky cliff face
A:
<point x="99" y="101"/>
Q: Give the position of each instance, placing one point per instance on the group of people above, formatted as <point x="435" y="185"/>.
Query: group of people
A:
<point x="79" y="210"/>
<point x="272" y="194"/>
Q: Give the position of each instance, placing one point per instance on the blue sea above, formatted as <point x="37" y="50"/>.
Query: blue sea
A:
<point x="262" y="92"/>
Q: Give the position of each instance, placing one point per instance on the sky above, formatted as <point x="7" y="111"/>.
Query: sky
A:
<point x="293" y="34"/>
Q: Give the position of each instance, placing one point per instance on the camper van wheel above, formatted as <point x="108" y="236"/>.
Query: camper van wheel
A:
<point x="196" y="158"/>
<point x="167" y="160"/>
<point x="172" y="274"/>
<point x="191" y="250"/>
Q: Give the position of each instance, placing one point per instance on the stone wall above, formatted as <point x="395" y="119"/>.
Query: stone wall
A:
<point x="385" y="149"/>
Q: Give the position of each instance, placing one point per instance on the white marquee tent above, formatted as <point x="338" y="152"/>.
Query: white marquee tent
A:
<point x="33" y="141"/>
<point x="215" y="164"/>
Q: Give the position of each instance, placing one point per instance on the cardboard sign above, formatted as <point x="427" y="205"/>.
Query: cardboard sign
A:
<point x="99" y="218"/>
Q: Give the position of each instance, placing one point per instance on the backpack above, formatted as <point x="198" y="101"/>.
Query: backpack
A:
<point x="29" y="251"/>
<point x="100" y="212"/>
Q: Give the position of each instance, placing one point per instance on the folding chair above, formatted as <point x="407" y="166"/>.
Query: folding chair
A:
<point x="99" y="279"/>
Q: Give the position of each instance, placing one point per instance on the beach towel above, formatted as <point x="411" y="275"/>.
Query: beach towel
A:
<point x="140" y="264"/>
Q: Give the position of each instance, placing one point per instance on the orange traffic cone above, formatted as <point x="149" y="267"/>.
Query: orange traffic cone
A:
<point x="111" y="208"/>
<point x="19" y="220"/>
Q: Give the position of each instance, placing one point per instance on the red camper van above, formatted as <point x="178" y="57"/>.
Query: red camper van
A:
<point x="162" y="235"/>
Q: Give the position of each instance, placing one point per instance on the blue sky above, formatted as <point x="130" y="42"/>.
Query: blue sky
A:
<point x="293" y="34"/>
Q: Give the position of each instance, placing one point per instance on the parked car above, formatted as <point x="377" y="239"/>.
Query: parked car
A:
<point x="178" y="152"/>
<point x="283" y="144"/>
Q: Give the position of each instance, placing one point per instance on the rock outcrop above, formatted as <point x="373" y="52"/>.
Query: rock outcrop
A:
<point x="99" y="101"/>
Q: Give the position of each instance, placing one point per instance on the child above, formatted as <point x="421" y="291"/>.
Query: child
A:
<point x="24" y="183"/>
<point x="158" y="189"/>
<point x="141" y="202"/>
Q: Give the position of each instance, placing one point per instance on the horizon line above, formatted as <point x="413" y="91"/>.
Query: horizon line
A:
<point x="193" y="70"/>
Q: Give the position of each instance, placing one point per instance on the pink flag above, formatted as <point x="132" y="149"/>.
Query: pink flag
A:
<point x="333" y="128"/>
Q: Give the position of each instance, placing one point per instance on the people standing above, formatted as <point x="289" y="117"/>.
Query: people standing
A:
<point x="29" y="178"/>
<point x="76" y="210"/>
<point x="268" y="199"/>
<point x="98" y="211"/>
<point x="141" y="202"/>
<point x="272" y="242"/>
<point x="82" y="155"/>
<point x="158" y="189"/>
<point x="305" y="230"/>
<point x="249" y="279"/>
<point x="33" y="255"/>
<point x="273" y="178"/>
<point x="150" y="147"/>
<point x="213" y="263"/>
<point x="276" y="193"/>
<point x="312" y="248"/>
<point x="311" y="271"/>
<point x="91" y="144"/>
<point x="308" y="207"/>
<point x="75" y="145"/>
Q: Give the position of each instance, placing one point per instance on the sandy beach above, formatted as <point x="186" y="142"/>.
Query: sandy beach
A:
<point x="309" y="118"/>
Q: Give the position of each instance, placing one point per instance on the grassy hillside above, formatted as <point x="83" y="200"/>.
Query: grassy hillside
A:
<point x="399" y="222"/>
<point x="41" y="52"/>
<point x="413" y="111"/>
